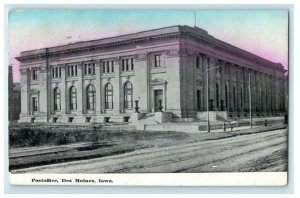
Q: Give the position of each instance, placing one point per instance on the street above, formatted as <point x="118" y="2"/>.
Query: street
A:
<point x="266" y="151"/>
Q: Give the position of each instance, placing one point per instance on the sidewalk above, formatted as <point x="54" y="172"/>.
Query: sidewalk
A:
<point x="215" y="126"/>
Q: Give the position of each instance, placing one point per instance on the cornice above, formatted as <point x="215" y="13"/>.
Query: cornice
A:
<point x="95" y="48"/>
<point x="175" y="32"/>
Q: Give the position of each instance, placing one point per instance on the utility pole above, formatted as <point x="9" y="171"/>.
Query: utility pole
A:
<point x="207" y="96"/>
<point x="207" y="105"/>
<point x="250" y="105"/>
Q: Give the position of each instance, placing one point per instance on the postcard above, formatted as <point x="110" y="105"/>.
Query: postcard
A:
<point x="148" y="97"/>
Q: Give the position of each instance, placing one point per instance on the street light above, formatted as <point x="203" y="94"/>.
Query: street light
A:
<point x="207" y="106"/>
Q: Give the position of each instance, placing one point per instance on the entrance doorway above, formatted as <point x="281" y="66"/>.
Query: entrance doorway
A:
<point x="158" y="95"/>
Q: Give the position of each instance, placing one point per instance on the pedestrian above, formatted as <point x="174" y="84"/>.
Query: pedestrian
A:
<point x="266" y="122"/>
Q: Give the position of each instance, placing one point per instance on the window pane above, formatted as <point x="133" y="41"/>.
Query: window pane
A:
<point x="109" y="96"/>
<point x="91" y="97"/>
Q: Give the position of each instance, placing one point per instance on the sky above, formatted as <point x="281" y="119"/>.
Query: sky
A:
<point x="261" y="32"/>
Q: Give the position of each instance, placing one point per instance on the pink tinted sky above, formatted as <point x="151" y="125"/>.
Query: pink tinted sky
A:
<point x="262" y="32"/>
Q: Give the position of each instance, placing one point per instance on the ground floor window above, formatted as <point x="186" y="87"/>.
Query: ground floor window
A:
<point x="199" y="100"/>
<point x="108" y="96"/>
<point x="57" y="99"/>
<point x="90" y="97"/>
<point x="34" y="104"/>
<point x="128" y="102"/>
<point x="73" y="98"/>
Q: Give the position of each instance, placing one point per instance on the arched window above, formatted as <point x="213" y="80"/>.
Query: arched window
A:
<point x="108" y="96"/>
<point x="73" y="98"/>
<point x="128" y="103"/>
<point x="90" y="97"/>
<point x="56" y="99"/>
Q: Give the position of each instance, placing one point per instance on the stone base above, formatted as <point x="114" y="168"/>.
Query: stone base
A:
<point x="213" y="115"/>
<point x="136" y="117"/>
<point x="163" y="117"/>
<point x="33" y="119"/>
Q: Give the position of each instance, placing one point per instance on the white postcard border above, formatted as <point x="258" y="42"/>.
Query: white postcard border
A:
<point x="154" y="179"/>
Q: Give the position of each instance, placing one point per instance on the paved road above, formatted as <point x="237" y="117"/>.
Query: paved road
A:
<point x="256" y="152"/>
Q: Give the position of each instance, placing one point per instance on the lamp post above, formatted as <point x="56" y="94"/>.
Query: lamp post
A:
<point x="136" y="106"/>
<point x="207" y="98"/>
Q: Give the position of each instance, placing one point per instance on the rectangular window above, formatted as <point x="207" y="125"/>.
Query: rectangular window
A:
<point x="123" y="64"/>
<point x="202" y="63"/>
<point x="198" y="62"/>
<point x="34" y="74"/>
<point x="69" y="72"/>
<point x="72" y="70"/>
<point x="199" y="100"/>
<point x="90" y="69"/>
<point x="157" y="59"/>
<point x="56" y="72"/>
<point x="107" y="66"/>
<point x="127" y="64"/>
<point x="34" y="104"/>
<point x="53" y="72"/>
<point x="103" y="67"/>
<point x="75" y="70"/>
<point x="94" y="68"/>
<point x="112" y="66"/>
<point x="132" y="66"/>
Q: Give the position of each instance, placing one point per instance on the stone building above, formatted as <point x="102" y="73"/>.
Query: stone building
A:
<point x="14" y="97"/>
<point x="97" y="80"/>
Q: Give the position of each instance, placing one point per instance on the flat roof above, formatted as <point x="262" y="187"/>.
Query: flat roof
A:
<point x="195" y="31"/>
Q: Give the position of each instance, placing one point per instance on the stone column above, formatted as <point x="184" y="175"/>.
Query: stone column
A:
<point x="212" y="83"/>
<point x="254" y="88"/>
<point x="260" y="91"/>
<point x="117" y="87"/>
<point x="205" y="62"/>
<point x="43" y="94"/>
<point x="222" y="85"/>
<point x="234" y="87"/>
<point x="230" y="87"/>
<point x="80" y="89"/>
<point x="98" y="87"/>
<point x="257" y="85"/>
<point x="63" y="90"/>
<point x="25" y="77"/>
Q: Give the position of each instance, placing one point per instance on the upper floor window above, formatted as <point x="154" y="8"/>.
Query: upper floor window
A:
<point x="158" y="60"/>
<point x="200" y="62"/>
<point x="89" y="68"/>
<point x="108" y="66"/>
<point x="34" y="75"/>
<point x="197" y="62"/>
<point x="56" y="72"/>
<point x="127" y="64"/>
<point x="72" y="70"/>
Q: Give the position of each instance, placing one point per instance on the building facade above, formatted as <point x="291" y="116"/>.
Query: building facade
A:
<point x="14" y="98"/>
<point x="97" y="80"/>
